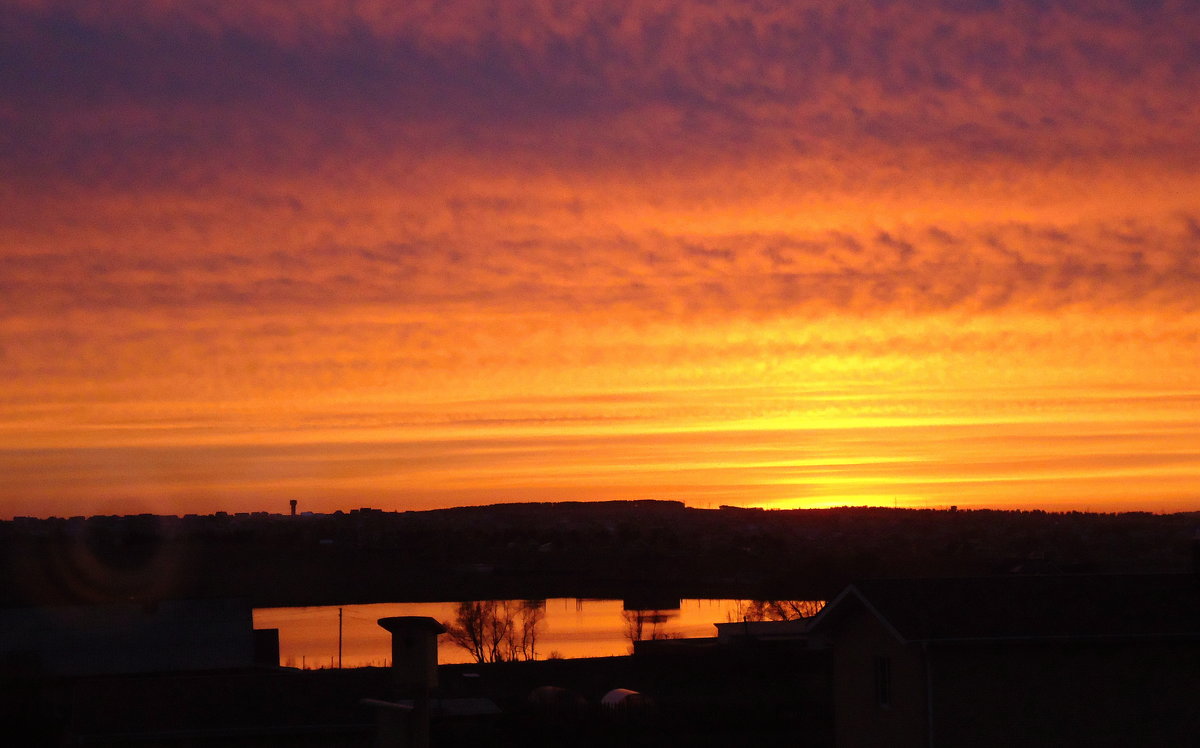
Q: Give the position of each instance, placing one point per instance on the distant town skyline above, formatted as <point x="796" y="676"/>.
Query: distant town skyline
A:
<point x="426" y="254"/>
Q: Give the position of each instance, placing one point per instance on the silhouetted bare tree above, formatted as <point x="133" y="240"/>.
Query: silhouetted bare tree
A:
<point x="497" y="630"/>
<point x="777" y="610"/>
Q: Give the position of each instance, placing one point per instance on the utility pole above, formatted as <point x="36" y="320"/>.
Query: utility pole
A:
<point x="339" y="638"/>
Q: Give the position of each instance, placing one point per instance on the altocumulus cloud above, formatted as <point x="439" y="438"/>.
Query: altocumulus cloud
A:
<point x="102" y="92"/>
<point x="217" y="213"/>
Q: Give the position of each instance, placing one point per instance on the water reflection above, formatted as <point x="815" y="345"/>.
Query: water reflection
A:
<point x="647" y="625"/>
<point x="571" y="627"/>
<point x="498" y="630"/>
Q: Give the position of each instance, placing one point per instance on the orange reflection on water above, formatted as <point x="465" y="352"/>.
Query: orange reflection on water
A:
<point x="308" y="637"/>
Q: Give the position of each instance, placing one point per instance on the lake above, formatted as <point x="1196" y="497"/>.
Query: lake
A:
<point x="573" y="627"/>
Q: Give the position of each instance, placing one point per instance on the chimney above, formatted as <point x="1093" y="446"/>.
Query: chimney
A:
<point x="414" y="676"/>
<point x="293" y="503"/>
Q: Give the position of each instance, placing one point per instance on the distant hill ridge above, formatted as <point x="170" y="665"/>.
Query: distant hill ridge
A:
<point x="569" y="549"/>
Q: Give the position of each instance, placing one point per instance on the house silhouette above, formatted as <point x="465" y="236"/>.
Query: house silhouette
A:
<point x="1065" y="660"/>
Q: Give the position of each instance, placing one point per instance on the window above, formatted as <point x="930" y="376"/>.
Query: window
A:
<point x="883" y="680"/>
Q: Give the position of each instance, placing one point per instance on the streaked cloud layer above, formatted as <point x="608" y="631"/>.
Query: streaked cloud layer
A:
<point x="417" y="254"/>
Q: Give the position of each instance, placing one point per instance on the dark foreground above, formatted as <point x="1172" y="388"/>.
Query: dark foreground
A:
<point x="1019" y="659"/>
<point x="1082" y="640"/>
<point x="763" y="696"/>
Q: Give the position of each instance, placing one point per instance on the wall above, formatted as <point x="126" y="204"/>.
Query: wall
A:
<point x="1067" y="694"/>
<point x="133" y="638"/>
<point x="860" y="721"/>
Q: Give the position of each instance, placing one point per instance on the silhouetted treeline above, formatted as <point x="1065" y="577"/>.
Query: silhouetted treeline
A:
<point x="605" y="549"/>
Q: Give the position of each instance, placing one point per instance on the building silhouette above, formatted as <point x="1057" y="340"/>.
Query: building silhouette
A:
<point x="1089" y="660"/>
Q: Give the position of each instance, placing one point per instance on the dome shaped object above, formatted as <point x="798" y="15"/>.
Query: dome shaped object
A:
<point x="622" y="698"/>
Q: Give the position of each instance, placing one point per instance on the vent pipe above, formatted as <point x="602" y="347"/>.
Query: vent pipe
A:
<point x="414" y="676"/>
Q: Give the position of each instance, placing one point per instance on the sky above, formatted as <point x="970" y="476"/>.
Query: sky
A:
<point x="437" y="253"/>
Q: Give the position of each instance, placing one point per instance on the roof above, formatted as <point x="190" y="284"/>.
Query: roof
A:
<point x="397" y="624"/>
<point x="791" y="629"/>
<point x="1026" y="607"/>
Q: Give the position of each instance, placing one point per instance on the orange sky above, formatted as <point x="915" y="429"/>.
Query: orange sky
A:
<point x="410" y="255"/>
